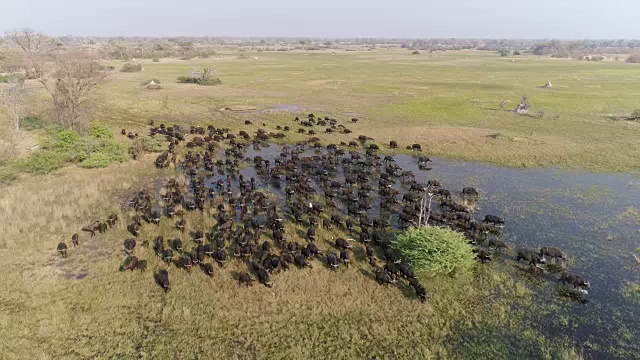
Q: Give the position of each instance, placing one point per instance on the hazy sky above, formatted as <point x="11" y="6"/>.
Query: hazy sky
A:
<point x="329" y="18"/>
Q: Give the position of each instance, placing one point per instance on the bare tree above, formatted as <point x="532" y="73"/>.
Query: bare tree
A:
<point x="13" y="99"/>
<point x="36" y="47"/>
<point x="76" y="74"/>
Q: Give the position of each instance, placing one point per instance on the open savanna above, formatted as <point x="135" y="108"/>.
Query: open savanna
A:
<point x="82" y="307"/>
<point x="448" y="102"/>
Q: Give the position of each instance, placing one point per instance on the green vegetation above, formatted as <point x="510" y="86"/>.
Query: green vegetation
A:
<point x="632" y="291"/>
<point x="62" y="147"/>
<point x="8" y="78"/>
<point x="198" y="80"/>
<point x="439" y="251"/>
<point x="146" y="144"/>
<point x="129" y="67"/>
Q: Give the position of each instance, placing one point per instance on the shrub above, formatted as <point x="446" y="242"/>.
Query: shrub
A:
<point x="516" y="52"/>
<point x="8" y="78"/>
<point x="147" y="144"/>
<point x="415" y="52"/>
<point x="155" y="60"/>
<point x="129" y="67"/>
<point x="437" y="250"/>
<point x="199" y="80"/>
<point x="31" y="123"/>
<point x="45" y="161"/>
<point x="94" y="152"/>
<point x="100" y="131"/>
<point x="633" y="59"/>
<point x="504" y="52"/>
<point x="105" y="154"/>
<point x="65" y="139"/>
<point x="212" y="81"/>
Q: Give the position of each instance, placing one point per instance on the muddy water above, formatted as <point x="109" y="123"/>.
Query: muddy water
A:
<point x="585" y="215"/>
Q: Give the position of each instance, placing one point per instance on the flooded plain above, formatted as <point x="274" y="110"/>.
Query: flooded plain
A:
<point x="593" y="218"/>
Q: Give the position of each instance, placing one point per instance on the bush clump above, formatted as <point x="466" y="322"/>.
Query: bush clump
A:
<point x="9" y="78"/>
<point x="129" y="67"/>
<point x="198" y="80"/>
<point x="145" y="144"/>
<point x="205" y="77"/>
<point x="437" y="250"/>
<point x="633" y="59"/>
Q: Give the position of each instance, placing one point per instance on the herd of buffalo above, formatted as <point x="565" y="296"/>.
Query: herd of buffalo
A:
<point x="348" y="189"/>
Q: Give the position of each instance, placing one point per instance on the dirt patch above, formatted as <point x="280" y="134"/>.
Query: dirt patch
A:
<point x="76" y="276"/>
<point x="247" y="109"/>
<point x="239" y="108"/>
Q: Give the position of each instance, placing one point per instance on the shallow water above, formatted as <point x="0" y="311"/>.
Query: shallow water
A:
<point x="581" y="213"/>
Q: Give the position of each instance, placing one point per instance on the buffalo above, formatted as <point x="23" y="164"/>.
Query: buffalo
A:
<point x="162" y="279"/>
<point x="263" y="277"/>
<point x="531" y="257"/>
<point x="494" y="220"/>
<point x="383" y="277"/>
<point x="574" y="280"/>
<point x="246" y="279"/>
<point x="552" y="252"/>
<point x="129" y="245"/>
<point x="62" y="249"/>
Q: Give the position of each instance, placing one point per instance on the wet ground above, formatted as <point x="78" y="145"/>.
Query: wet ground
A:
<point x="591" y="217"/>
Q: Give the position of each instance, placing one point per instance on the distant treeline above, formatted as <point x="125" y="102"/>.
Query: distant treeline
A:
<point x="121" y="48"/>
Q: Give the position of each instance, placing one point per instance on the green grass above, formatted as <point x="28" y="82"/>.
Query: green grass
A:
<point x="446" y="101"/>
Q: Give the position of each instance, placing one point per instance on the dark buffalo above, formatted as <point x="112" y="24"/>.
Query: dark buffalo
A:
<point x="177" y="245"/>
<point x="407" y="271"/>
<point x="420" y="290"/>
<point x="482" y="255"/>
<point x="469" y="192"/>
<point x="246" y="279"/>
<point x="264" y="277"/>
<point x="492" y="219"/>
<point x="342" y="244"/>
<point x="130" y="263"/>
<point x="301" y="262"/>
<point x="167" y="255"/>
<point x="552" y="252"/>
<point x="531" y="257"/>
<point x="383" y="277"/>
<point x="344" y="257"/>
<point x="332" y="261"/>
<point x="129" y="245"/>
<point x="208" y="269"/>
<point x="220" y="257"/>
<point x="497" y="244"/>
<point x="313" y="249"/>
<point x="574" y="280"/>
<point x="62" y="249"/>
<point x="162" y="279"/>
